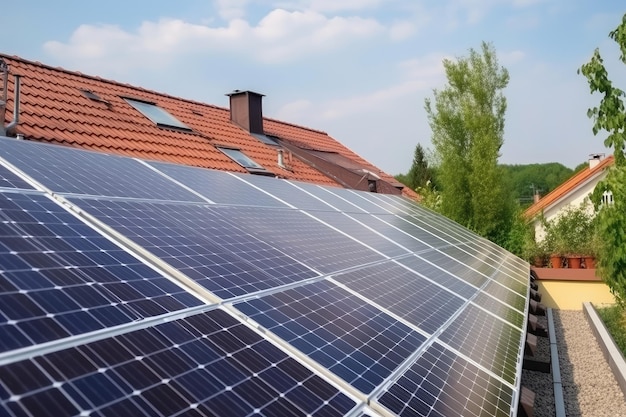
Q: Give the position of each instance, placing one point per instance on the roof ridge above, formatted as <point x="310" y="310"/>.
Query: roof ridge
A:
<point x="310" y="129"/>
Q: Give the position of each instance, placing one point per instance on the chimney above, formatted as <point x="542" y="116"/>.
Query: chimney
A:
<point x="4" y="74"/>
<point x="246" y="110"/>
<point x="594" y="159"/>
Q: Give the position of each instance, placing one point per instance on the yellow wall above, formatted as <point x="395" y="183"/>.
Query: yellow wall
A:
<point x="569" y="295"/>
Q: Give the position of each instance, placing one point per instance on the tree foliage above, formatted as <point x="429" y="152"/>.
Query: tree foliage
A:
<point x="467" y="123"/>
<point x="525" y="179"/>
<point x="420" y="172"/>
<point x="610" y="116"/>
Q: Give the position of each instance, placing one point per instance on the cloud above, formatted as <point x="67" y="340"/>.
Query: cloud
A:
<point x="280" y="36"/>
<point x="332" y="6"/>
<point x="231" y="9"/>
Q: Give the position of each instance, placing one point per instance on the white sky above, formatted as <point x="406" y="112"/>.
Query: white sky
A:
<point x="357" y="69"/>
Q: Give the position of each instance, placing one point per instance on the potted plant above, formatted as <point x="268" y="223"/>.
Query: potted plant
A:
<point x="570" y="234"/>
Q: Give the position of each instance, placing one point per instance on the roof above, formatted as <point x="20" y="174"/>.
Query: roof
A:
<point x="55" y="108"/>
<point x="568" y="186"/>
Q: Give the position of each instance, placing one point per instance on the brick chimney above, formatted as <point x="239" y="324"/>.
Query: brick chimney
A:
<point x="246" y="110"/>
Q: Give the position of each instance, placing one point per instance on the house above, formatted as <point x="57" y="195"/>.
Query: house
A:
<point x="569" y="194"/>
<point x="74" y="109"/>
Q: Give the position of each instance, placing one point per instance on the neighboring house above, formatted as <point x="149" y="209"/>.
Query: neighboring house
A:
<point x="571" y="193"/>
<point x="74" y="109"/>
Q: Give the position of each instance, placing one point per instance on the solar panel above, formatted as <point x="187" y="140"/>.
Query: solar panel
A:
<point x="384" y="224"/>
<point x="373" y="300"/>
<point x="286" y="191"/>
<point x="59" y="277"/>
<point x="207" y="364"/>
<point x="361" y="232"/>
<point x="354" y="340"/>
<point x="396" y="289"/>
<point x="331" y="196"/>
<point x="201" y="242"/>
<point x="304" y="238"/>
<point x="218" y="186"/>
<point x="9" y="180"/>
<point x="443" y="384"/>
<point x="67" y="170"/>
<point x="483" y="337"/>
<point x="441" y="276"/>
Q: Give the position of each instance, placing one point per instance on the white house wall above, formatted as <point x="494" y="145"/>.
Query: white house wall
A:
<point x="574" y="198"/>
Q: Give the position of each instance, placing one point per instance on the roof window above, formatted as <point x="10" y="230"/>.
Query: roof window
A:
<point x="159" y="116"/>
<point x="243" y="160"/>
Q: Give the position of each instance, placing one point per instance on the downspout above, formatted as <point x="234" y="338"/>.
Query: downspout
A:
<point x="10" y="128"/>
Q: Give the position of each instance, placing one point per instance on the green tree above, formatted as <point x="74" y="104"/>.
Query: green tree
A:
<point x="467" y="123"/>
<point x="610" y="116"/>
<point x="420" y="172"/>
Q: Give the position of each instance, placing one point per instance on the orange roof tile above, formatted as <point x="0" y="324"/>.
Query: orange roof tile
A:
<point x="565" y="188"/>
<point x="54" y="108"/>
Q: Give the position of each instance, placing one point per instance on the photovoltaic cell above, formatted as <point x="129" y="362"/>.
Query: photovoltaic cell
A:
<point x="500" y="309"/>
<point x="10" y="180"/>
<point x="384" y="224"/>
<point x="397" y="289"/>
<point x="218" y="186"/>
<point x="354" y="340"/>
<point x="330" y="195"/>
<point x="362" y="233"/>
<point x="490" y="342"/>
<point x="303" y="238"/>
<point x="208" y="364"/>
<point x="506" y="295"/>
<point x="439" y="275"/>
<point x="287" y="192"/>
<point x="359" y="200"/>
<point x="58" y="277"/>
<point x="455" y="267"/>
<point x="442" y="384"/>
<point x="67" y="170"/>
<point x="203" y="243"/>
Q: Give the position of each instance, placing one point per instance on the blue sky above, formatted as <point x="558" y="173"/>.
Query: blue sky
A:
<point x="357" y="69"/>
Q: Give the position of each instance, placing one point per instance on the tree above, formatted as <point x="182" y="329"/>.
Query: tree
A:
<point x="610" y="116"/>
<point x="467" y="123"/>
<point x="420" y="172"/>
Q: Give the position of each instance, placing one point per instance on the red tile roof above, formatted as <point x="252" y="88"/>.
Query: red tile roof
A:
<point x="562" y="190"/>
<point x="54" y="108"/>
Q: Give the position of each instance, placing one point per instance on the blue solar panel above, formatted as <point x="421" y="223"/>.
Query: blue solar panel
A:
<point x="218" y="186"/>
<point x="303" y="238"/>
<point x="443" y="384"/>
<point x="67" y="170"/>
<point x="60" y="278"/>
<point x="483" y="337"/>
<point x="397" y="289"/>
<point x="331" y="195"/>
<point x="356" y="341"/>
<point x="286" y="191"/>
<point x="455" y="267"/>
<point x="202" y="242"/>
<point x="385" y="225"/>
<point x="9" y="180"/>
<point x="439" y="275"/>
<point x="361" y="232"/>
<point x="207" y="364"/>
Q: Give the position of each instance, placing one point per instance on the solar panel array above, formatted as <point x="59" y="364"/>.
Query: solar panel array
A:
<point x="132" y="287"/>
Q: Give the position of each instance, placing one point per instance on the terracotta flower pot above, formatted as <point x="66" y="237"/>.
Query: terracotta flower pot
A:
<point x="573" y="262"/>
<point x="555" y="261"/>
<point x="590" y="262"/>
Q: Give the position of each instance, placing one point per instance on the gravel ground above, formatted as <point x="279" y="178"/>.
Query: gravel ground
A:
<point x="589" y="387"/>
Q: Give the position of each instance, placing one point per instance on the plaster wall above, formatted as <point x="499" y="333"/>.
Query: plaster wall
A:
<point x="570" y="295"/>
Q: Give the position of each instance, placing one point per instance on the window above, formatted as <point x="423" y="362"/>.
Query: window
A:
<point x="159" y="116"/>
<point x="93" y="96"/>
<point x="607" y="198"/>
<point x="241" y="158"/>
<point x="267" y="139"/>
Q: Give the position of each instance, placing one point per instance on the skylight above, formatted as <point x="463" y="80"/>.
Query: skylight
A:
<point x="159" y="116"/>
<point x="241" y="158"/>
